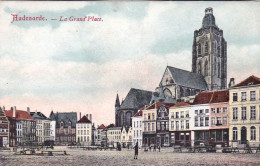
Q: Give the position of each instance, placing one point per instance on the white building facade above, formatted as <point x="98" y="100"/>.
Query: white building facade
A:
<point x="84" y="131"/>
<point x="137" y="132"/>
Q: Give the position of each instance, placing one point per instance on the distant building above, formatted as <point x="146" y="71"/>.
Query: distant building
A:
<point x="244" y="117"/>
<point x="137" y="132"/>
<point x="25" y="126"/>
<point x="84" y="131"/>
<point x="180" y="124"/>
<point x="113" y="136"/>
<point x="126" y="137"/>
<point x="219" y="117"/>
<point x="52" y="129"/>
<point x="4" y="129"/>
<point x="162" y="125"/>
<point x="134" y="101"/>
<point x="156" y="124"/>
<point x="200" y="120"/>
<point x="65" y="127"/>
<point x="100" y="132"/>
<point x="93" y="134"/>
<point x="12" y="130"/>
<point x="42" y="126"/>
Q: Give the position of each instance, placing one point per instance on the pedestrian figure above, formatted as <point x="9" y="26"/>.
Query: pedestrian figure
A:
<point x="136" y="150"/>
<point x="154" y="147"/>
<point x="159" y="148"/>
<point x="150" y="148"/>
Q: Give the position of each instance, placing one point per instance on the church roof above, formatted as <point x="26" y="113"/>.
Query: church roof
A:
<point x="212" y="97"/>
<point x="84" y="119"/>
<point x="136" y="99"/>
<point x="188" y="79"/>
<point x="252" y="80"/>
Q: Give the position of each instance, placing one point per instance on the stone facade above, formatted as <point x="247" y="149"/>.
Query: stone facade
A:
<point x="244" y="117"/>
<point x="209" y="53"/>
<point x="4" y="129"/>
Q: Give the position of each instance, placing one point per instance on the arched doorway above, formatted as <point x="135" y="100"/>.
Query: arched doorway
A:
<point x="243" y="135"/>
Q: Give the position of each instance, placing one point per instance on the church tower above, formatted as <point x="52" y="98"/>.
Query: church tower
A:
<point x="209" y="53"/>
<point x="117" y="106"/>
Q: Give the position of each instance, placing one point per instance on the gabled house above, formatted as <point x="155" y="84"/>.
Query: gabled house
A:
<point x="65" y="127"/>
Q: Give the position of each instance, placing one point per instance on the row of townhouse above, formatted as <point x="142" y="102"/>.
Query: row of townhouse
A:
<point x="113" y="136"/>
<point x="223" y="117"/>
<point x="19" y="128"/>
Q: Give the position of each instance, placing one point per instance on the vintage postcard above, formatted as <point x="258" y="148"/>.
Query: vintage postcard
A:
<point x="129" y="83"/>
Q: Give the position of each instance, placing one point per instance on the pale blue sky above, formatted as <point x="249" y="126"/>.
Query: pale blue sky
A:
<point x="79" y="66"/>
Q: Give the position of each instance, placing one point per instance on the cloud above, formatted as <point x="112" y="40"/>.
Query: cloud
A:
<point x="80" y="66"/>
<point x="35" y="7"/>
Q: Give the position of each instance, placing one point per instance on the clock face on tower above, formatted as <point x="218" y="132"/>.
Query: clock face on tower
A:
<point x="167" y="93"/>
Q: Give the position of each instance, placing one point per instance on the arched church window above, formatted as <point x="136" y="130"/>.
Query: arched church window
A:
<point x="199" y="68"/>
<point x="128" y="119"/>
<point x="218" y="70"/>
<point x="206" y="68"/>
<point x="215" y="66"/>
<point x="181" y="92"/>
<point x="206" y="47"/>
<point x="199" y="49"/>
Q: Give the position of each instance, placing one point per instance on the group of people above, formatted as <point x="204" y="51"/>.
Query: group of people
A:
<point x="136" y="147"/>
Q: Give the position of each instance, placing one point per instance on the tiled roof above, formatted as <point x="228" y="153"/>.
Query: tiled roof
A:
<point x="252" y="80"/>
<point x="19" y="114"/>
<point x="139" y="113"/>
<point x="158" y="104"/>
<point x="84" y="119"/>
<point x="38" y="115"/>
<point x="65" y="117"/>
<point x="102" y="127"/>
<point x="181" y="104"/>
<point x="136" y="99"/>
<point x="188" y="79"/>
<point x="212" y="97"/>
<point x="111" y="125"/>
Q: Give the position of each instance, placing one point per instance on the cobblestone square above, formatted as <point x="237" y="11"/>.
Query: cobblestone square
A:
<point x="126" y="157"/>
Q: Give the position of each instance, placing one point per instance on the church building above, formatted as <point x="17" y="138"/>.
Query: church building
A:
<point x="208" y="73"/>
<point x="209" y="64"/>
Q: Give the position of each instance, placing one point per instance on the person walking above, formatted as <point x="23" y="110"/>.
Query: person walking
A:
<point x="154" y="148"/>
<point x="159" y="148"/>
<point x="136" y="150"/>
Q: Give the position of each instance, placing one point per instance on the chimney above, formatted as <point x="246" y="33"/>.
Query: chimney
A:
<point x="11" y="108"/>
<point x="80" y="115"/>
<point x="87" y="115"/>
<point x="14" y="111"/>
<point x="3" y="108"/>
<point x="231" y="82"/>
<point x="28" y="110"/>
<point x="90" y="117"/>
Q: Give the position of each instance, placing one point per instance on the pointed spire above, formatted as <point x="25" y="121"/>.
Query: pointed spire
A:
<point x="117" y="104"/>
